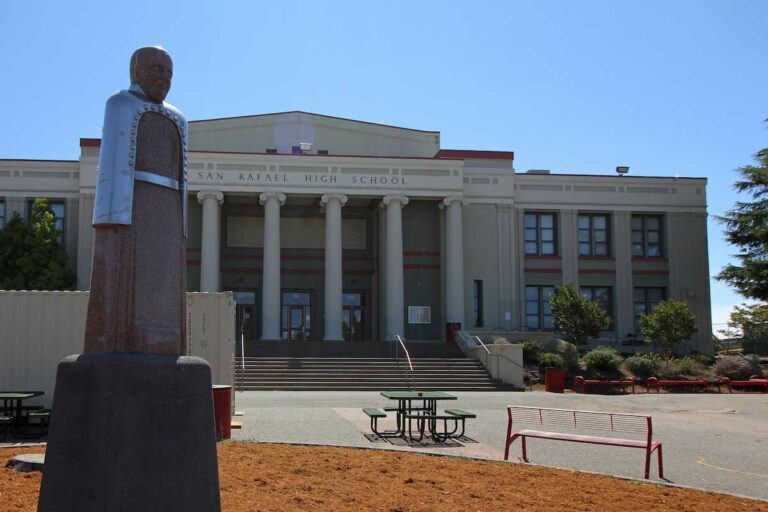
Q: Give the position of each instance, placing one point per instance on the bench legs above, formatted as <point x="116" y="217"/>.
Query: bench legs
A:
<point x="511" y="440"/>
<point x="648" y="454"/>
<point x="421" y="426"/>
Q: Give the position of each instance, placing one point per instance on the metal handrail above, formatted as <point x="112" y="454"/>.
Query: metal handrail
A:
<point x="412" y="384"/>
<point x="481" y="343"/>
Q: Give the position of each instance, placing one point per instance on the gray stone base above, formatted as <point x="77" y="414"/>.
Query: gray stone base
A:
<point x="131" y="432"/>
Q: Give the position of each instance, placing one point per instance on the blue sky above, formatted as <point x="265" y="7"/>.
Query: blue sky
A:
<point x="668" y="88"/>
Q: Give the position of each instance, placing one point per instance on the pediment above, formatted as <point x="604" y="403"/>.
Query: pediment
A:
<point x="283" y="132"/>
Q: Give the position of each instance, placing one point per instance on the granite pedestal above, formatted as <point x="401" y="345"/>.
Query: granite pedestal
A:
<point x="131" y="432"/>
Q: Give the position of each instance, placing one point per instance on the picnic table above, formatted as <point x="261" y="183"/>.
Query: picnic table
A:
<point x="12" y="401"/>
<point x="13" y="410"/>
<point x="421" y="407"/>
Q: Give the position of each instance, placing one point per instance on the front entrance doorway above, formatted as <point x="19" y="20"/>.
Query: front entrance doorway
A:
<point x="296" y="319"/>
<point x="245" y="315"/>
<point x="352" y="317"/>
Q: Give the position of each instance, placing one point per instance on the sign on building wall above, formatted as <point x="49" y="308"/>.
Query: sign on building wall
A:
<point x="295" y="233"/>
<point x="419" y="315"/>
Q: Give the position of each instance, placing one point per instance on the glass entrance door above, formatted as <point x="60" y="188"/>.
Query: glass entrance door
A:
<point x="245" y="315"/>
<point x="352" y="317"/>
<point x="296" y="318"/>
<point x="296" y="323"/>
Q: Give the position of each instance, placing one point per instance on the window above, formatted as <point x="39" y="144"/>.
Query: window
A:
<point x="540" y="234"/>
<point x="57" y="207"/>
<point x="419" y="314"/>
<point x="601" y="295"/>
<point x="477" y="304"/>
<point x="2" y="214"/>
<point x="646" y="236"/>
<point x="593" y="235"/>
<point x="645" y="299"/>
<point x="271" y="151"/>
<point x="538" y="314"/>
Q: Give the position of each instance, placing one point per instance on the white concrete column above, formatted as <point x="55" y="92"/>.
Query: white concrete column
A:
<point x="333" y="285"/>
<point x="454" y="261"/>
<point x="210" y="245"/>
<point x="393" y="273"/>
<point x="270" y="282"/>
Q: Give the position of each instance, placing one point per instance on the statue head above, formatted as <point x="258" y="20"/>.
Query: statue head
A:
<point x="152" y="69"/>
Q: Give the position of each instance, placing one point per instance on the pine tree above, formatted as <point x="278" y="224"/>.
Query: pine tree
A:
<point x="747" y="228"/>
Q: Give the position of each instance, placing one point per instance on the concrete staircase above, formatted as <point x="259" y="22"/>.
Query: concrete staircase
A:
<point x="362" y="374"/>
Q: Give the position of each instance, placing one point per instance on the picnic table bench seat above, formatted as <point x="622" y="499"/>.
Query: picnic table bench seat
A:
<point x="562" y="419"/>
<point x="460" y="413"/>
<point x="374" y="414"/>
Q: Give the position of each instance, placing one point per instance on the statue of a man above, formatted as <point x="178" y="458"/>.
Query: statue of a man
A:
<point x="138" y="281"/>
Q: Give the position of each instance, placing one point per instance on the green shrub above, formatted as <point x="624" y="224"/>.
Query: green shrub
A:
<point x="702" y="359"/>
<point x="736" y="367"/>
<point x="641" y="366"/>
<point x="551" y="360"/>
<point x="689" y="366"/>
<point x="531" y="351"/>
<point x="566" y="350"/>
<point x="606" y="348"/>
<point x="498" y="340"/>
<point x="668" y="369"/>
<point x="602" y="359"/>
<point x="754" y="361"/>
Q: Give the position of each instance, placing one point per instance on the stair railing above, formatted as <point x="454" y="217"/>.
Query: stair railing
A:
<point x="482" y="344"/>
<point x="497" y="356"/>
<point x="400" y="344"/>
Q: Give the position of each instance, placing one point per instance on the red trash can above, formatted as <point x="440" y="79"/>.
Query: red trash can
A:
<point x="554" y="380"/>
<point x="222" y="408"/>
<point x="450" y="328"/>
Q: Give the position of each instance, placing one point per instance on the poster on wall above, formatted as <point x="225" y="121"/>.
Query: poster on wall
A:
<point x="419" y="315"/>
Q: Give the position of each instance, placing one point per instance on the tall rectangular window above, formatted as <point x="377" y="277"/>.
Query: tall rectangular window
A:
<point x="647" y="236"/>
<point x="477" y="305"/>
<point x="538" y="314"/>
<point x="645" y="299"/>
<point x="2" y="214"/>
<point x="593" y="235"/>
<point x="540" y="234"/>
<point x="600" y="294"/>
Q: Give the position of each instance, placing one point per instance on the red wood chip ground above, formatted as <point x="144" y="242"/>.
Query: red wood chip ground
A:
<point x="270" y="477"/>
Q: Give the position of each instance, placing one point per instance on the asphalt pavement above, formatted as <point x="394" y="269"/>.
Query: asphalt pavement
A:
<point x="715" y="442"/>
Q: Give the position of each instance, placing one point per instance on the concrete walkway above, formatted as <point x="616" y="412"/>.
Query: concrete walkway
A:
<point x="711" y="441"/>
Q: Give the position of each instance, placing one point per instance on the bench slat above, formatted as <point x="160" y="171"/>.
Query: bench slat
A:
<point x="631" y="443"/>
<point x="374" y="413"/>
<point x="461" y="413"/>
<point x="589" y="420"/>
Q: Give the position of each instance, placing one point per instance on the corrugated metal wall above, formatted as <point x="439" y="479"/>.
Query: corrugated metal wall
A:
<point x="39" y="329"/>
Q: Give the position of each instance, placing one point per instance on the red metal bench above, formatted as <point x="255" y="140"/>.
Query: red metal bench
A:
<point x="753" y="382"/>
<point x="657" y="384"/>
<point x="582" y="383"/>
<point x="583" y="420"/>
